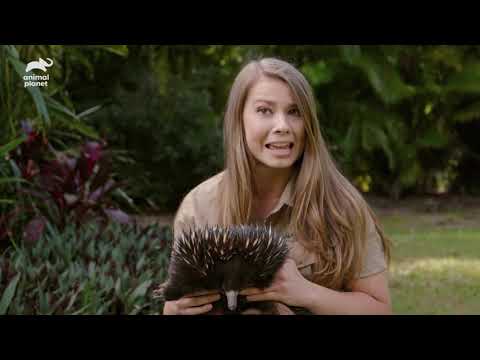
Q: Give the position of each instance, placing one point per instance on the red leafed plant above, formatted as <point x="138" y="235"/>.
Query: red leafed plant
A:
<point x="61" y="188"/>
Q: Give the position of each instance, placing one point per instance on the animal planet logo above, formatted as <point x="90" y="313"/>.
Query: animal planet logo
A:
<point x="34" y="80"/>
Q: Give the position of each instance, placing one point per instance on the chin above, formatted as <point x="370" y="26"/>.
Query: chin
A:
<point x="279" y="164"/>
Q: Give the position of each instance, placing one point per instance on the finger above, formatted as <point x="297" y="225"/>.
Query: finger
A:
<point x="203" y="292"/>
<point x="198" y="300"/>
<point x="252" y="311"/>
<point x="250" y="291"/>
<point x="197" y="310"/>
<point x="201" y="300"/>
<point x="266" y="296"/>
<point x="290" y="261"/>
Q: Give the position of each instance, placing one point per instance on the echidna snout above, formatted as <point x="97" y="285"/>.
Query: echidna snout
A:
<point x="232" y="299"/>
<point x="235" y="275"/>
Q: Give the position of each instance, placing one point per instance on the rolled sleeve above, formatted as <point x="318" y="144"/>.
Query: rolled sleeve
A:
<point x="374" y="261"/>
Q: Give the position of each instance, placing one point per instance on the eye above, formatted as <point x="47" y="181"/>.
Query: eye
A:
<point x="264" y="110"/>
<point x="294" y="112"/>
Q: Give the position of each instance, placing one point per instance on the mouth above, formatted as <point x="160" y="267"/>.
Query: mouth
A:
<point x="280" y="146"/>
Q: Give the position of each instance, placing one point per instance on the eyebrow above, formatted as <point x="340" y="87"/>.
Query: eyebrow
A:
<point x="273" y="102"/>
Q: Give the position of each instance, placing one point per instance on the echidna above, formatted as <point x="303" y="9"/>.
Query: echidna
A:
<point x="228" y="260"/>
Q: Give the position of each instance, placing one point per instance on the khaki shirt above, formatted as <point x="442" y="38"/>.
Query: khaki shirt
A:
<point x="199" y="208"/>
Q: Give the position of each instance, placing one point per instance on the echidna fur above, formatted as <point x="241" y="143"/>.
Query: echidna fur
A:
<point x="228" y="260"/>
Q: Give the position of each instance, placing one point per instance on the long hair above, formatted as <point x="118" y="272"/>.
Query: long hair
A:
<point x="329" y="215"/>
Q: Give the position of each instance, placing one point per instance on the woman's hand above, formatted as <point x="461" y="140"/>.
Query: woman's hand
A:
<point x="192" y="304"/>
<point x="289" y="287"/>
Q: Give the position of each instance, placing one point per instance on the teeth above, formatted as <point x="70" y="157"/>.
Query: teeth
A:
<point x="286" y="146"/>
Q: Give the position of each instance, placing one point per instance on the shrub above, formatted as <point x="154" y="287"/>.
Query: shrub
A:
<point x="61" y="187"/>
<point x="86" y="271"/>
<point x="165" y="123"/>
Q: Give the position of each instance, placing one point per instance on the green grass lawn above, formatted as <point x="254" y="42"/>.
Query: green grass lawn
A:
<point x="435" y="265"/>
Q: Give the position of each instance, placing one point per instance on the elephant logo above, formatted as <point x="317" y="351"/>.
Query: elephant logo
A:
<point x="39" y="65"/>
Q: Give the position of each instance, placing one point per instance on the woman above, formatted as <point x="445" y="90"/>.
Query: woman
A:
<point x="278" y="171"/>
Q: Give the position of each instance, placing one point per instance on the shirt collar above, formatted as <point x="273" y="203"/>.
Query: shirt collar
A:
<point x="286" y="198"/>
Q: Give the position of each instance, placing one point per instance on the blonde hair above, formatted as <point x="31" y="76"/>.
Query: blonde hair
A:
<point x="329" y="215"/>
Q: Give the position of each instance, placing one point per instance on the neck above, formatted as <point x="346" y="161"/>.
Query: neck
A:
<point x="270" y="183"/>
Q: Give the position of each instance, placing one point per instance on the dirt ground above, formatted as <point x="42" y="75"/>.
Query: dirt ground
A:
<point x="444" y="212"/>
<point x="451" y="211"/>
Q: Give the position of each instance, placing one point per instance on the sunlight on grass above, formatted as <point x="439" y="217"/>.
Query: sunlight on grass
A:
<point x="435" y="265"/>
<point x="454" y="268"/>
<point x="436" y="286"/>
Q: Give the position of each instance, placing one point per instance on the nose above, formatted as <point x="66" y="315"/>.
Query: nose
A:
<point x="281" y="124"/>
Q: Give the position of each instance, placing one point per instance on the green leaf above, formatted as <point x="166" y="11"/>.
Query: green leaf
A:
<point x="140" y="263"/>
<point x="385" y="80"/>
<point x="92" y="110"/>
<point x="80" y="127"/>
<point x="121" y="194"/>
<point x="40" y="103"/>
<point x="351" y="140"/>
<point x="8" y="294"/>
<point x="382" y="140"/>
<point x="445" y="55"/>
<point x="409" y="176"/>
<point x="434" y="139"/>
<point x="382" y="76"/>
<point x="62" y="109"/>
<point x="12" y="180"/>
<point x="57" y="304"/>
<point x="351" y="53"/>
<point x="319" y="73"/>
<point x="109" y="284"/>
<point x="5" y="149"/>
<point x="470" y="113"/>
<point x="141" y="290"/>
<point x="16" y="171"/>
<point x="101" y="310"/>
<point x="74" y="121"/>
<point x="11" y="51"/>
<point x="466" y="81"/>
<point x="82" y="310"/>
<point x="136" y="310"/>
<point x="72" y="301"/>
<point x="91" y="268"/>
<point x="118" y="287"/>
<point x="7" y="201"/>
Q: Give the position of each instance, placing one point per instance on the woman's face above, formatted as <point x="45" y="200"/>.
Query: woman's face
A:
<point x="274" y="127"/>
